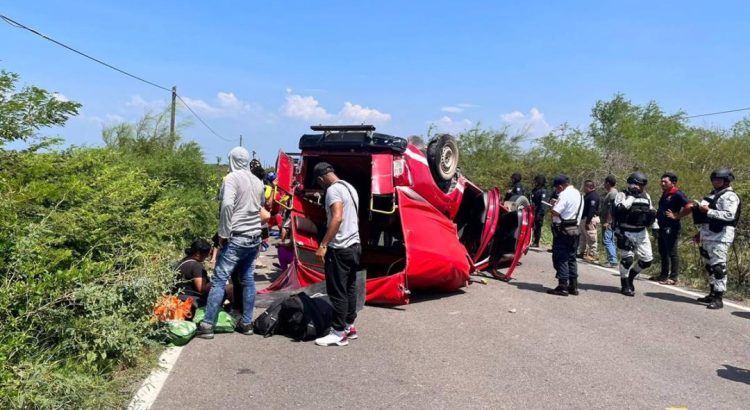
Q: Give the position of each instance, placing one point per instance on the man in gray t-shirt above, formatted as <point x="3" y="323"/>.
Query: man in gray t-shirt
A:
<point x="340" y="252"/>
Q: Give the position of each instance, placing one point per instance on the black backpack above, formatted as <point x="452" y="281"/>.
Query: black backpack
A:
<point x="267" y="323"/>
<point x="305" y="318"/>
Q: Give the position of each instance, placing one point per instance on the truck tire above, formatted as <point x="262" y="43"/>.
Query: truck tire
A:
<point x="442" y="155"/>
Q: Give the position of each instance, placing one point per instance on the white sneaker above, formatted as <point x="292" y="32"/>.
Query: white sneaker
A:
<point x="334" y="338"/>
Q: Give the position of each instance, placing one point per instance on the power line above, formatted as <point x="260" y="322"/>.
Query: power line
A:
<point x="21" y="26"/>
<point x="717" y="113"/>
<point x="201" y="120"/>
<point x="16" y="24"/>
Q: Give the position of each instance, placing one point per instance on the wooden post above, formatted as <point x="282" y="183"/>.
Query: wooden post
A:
<point x="174" y="109"/>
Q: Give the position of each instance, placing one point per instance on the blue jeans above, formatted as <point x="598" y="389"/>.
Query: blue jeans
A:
<point x="238" y="253"/>
<point x="608" y="238"/>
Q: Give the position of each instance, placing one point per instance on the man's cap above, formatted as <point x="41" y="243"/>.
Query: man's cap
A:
<point x="322" y="168"/>
<point x="560" y="180"/>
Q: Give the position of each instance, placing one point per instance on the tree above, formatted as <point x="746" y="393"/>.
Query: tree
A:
<point x="489" y="157"/>
<point x="23" y="112"/>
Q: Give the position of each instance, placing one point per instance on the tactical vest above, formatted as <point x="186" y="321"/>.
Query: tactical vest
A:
<point x="638" y="217"/>
<point x="716" y="225"/>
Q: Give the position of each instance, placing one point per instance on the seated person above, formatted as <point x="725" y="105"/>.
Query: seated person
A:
<point x="192" y="278"/>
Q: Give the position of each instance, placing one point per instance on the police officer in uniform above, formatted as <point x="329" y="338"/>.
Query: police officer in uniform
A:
<point x="539" y="194"/>
<point x="516" y="188"/>
<point x="566" y="216"/>
<point x="633" y="213"/>
<point x="717" y="216"/>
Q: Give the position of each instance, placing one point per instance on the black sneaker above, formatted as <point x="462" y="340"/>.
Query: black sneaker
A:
<point x="559" y="291"/>
<point x="245" y="328"/>
<point x="205" y="331"/>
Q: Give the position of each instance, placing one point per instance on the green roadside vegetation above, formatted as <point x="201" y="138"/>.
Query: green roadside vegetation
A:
<point x="624" y="137"/>
<point x="87" y="237"/>
<point x="88" y="234"/>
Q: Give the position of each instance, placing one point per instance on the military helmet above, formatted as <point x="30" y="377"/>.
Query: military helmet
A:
<point x="723" y="173"/>
<point x="637" y="178"/>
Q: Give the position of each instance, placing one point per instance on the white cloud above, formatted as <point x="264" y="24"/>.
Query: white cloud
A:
<point x="140" y="103"/>
<point x="60" y="97"/>
<point x="108" y="119"/>
<point x="304" y="108"/>
<point x="532" y="123"/>
<point x="227" y="105"/>
<point x="452" y="109"/>
<point x="200" y="106"/>
<point x="448" y="125"/>
<point x="466" y="105"/>
<point x="513" y="117"/>
<point x="308" y="108"/>
<point x="362" y="114"/>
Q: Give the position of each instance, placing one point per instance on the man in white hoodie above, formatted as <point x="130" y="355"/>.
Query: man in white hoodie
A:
<point x="240" y="222"/>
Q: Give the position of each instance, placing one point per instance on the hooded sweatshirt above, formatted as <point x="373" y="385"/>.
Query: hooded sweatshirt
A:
<point x="241" y="198"/>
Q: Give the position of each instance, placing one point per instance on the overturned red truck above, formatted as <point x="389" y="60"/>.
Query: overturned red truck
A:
<point x="422" y="224"/>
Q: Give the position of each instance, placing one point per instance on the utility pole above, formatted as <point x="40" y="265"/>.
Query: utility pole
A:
<point x="174" y="107"/>
<point x="240" y="140"/>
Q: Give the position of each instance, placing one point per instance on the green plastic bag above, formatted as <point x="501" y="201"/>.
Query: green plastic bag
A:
<point x="179" y="332"/>
<point x="225" y="323"/>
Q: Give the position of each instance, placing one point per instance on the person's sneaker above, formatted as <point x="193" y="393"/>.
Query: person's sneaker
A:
<point x="204" y="331"/>
<point x="589" y="259"/>
<point x="245" y="328"/>
<point x="351" y="332"/>
<point x="333" y="338"/>
<point x="659" y="278"/>
<point x="610" y="265"/>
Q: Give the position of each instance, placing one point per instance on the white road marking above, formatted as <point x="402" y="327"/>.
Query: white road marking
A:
<point x="674" y="288"/>
<point x="146" y="395"/>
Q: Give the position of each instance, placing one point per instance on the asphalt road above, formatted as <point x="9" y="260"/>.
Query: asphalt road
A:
<point x="500" y="345"/>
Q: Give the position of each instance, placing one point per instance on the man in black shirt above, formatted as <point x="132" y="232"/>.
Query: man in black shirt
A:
<point x="538" y="195"/>
<point x="671" y="206"/>
<point x="588" y="244"/>
<point x="516" y="188"/>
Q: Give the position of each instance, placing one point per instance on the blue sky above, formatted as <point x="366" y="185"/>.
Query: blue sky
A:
<point x="268" y="70"/>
